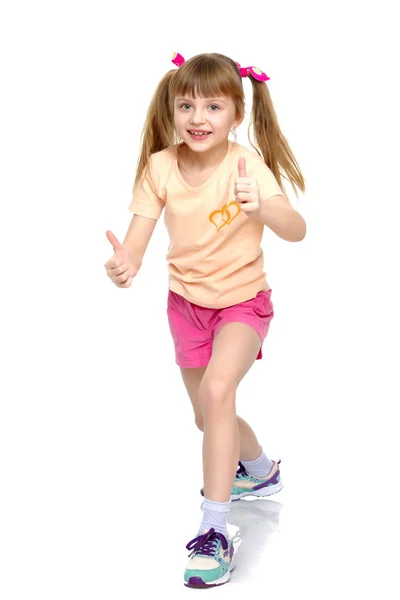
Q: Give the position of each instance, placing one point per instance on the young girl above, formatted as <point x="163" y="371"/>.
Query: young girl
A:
<point x="218" y="196"/>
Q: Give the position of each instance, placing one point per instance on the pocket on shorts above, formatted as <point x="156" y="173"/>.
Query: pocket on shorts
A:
<point x="175" y="301"/>
<point x="196" y="320"/>
<point x="185" y="309"/>
<point x="263" y="306"/>
<point x="173" y="307"/>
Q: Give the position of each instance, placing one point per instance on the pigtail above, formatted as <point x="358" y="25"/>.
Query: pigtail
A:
<point x="158" y="130"/>
<point x="270" y="140"/>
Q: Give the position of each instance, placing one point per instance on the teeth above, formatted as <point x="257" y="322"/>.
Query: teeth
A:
<point x="197" y="133"/>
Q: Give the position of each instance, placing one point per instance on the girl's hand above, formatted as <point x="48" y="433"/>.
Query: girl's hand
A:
<point x="246" y="191"/>
<point x="121" y="268"/>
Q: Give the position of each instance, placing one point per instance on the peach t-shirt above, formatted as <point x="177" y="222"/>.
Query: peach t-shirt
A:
<point x="214" y="257"/>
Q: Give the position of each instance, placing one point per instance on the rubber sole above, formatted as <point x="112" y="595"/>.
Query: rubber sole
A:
<point x="267" y="491"/>
<point x="197" y="582"/>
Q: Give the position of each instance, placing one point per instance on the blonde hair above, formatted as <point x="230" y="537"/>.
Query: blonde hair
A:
<point x="209" y="75"/>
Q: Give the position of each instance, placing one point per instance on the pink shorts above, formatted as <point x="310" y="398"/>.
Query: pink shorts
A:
<point x="194" y="327"/>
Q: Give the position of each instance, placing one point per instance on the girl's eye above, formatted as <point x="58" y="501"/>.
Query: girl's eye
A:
<point x="184" y="105"/>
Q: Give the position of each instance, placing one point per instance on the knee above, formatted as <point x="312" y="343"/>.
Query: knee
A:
<point x="199" y="422"/>
<point x="216" y="394"/>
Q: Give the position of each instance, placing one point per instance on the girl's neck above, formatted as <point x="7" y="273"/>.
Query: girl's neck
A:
<point x="202" y="161"/>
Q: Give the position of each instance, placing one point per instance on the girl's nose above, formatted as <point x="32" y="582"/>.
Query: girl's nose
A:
<point x="197" y="117"/>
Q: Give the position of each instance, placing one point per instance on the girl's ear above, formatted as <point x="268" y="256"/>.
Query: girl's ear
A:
<point x="238" y="121"/>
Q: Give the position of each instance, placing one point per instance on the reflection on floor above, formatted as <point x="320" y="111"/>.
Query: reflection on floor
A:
<point x="251" y="522"/>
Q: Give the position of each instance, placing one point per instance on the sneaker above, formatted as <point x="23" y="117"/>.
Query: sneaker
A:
<point x="210" y="560"/>
<point x="249" y="485"/>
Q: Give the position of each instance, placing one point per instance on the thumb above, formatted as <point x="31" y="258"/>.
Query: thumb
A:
<point x="242" y="167"/>
<point x="113" y="240"/>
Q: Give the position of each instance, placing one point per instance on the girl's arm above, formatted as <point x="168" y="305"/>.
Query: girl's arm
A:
<point x="138" y="236"/>
<point x="278" y="214"/>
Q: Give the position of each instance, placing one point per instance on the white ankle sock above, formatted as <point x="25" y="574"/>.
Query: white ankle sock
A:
<point x="260" y="467"/>
<point x="215" y="514"/>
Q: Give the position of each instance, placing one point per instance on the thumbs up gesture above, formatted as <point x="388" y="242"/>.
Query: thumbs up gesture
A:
<point x="246" y="191"/>
<point x="121" y="268"/>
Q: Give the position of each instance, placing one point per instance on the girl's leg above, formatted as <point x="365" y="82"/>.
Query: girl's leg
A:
<point x="250" y="449"/>
<point x="235" y="349"/>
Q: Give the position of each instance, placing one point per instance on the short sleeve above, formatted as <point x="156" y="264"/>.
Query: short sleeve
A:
<point x="266" y="180"/>
<point x="146" y="199"/>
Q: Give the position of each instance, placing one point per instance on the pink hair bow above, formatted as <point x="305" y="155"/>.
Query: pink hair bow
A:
<point x="256" y="73"/>
<point x="178" y="60"/>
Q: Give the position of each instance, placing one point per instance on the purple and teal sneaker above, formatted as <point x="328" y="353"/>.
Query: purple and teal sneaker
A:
<point x="248" y="485"/>
<point x="211" y="560"/>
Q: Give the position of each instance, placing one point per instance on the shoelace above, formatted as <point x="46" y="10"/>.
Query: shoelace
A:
<point x="206" y="543"/>
<point x="241" y="472"/>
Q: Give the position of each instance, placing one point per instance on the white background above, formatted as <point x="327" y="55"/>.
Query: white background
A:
<point x="100" y="456"/>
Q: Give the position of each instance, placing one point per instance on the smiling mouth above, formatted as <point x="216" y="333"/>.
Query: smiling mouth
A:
<point x="199" y="133"/>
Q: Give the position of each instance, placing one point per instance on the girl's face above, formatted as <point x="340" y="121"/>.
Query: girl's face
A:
<point x="213" y="116"/>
